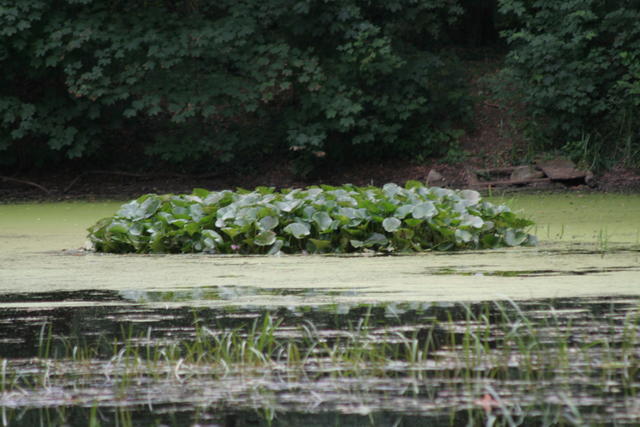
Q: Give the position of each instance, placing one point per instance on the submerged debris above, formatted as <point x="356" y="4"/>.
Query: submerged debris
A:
<point x="545" y="173"/>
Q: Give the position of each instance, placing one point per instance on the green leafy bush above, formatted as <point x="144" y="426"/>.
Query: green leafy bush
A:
<point x="314" y="220"/>
<point x="577" y="64"/>
<point x="188" y="80"/>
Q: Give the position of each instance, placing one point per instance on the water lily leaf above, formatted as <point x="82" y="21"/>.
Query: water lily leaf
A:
<point x="411" y="184"/>
<point x="268" y="223"/>
<point x="139" y="210"/>
<point x="308" y="211"/>
<point x="347" y="201"/>
<point x="404" y="233"/>
<point x="488" y="225"/>
<point x="275" y="249"/>
<point x="439" y="192"/>
<point x="471" y="196"/>
<point x="214" y="236"/>
<point x="265" y="238"/>
<point x="180" y="211"/>
<point x="136" y="229"/>
<point x="413" y="223"/>
<point x="376" y="239"/>
<point x="226" y="212"/>
<point x="288" y="205"/>
<point x="514" y="238"/>
<point x="350" y="213"/>
<point x="298" y="229"/>
<point x="213" y="198"/>
<point x="391" y="224"/>
<point x="246" y="215"/>
<point x="379" y="206"/>
<point x="490" y="241"/>
<point x="460" y="207"/>
<point x="463" y="236"/>
<point x="357" y="232"/>
<point x="178" y="222"/>
<point x="403" y="211"/>
<point x="321" y="245"/>
<point x="390" y="190"/>
<point x="196" y="212"/>
<point x="192" y="228"/>
<point x="117" y="227"/>
<point x="231" y="231"/>
<point x="263" y="191"/>
<point x="424" y="210"/>
<point x="356" y="243"/>
<point x="312" y="193"/>
<point x="210" y="244"/>
<point x="323" y="220"/>
<point x="472" y="220"/>
<point x="201" y="193"/>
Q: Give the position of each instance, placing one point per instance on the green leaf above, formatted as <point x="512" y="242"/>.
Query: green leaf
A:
<point x="297" y="229"/>
<point x="514" y="238"/>
<point x="231" y="231"/>
<point x="405" y="233"/>
<point x="196" y="212"/>
<point x="265" y="238"/>
<point x="268" y="223"/>
<point x="472" y="221"/>
<point x="211" y="240"/>
<point x="403" y="211"/>
<point x="410" y="184"/>
<point x="357" y="243"/>
<point x="471" y="196"/>
<point x="490" y="241"/>
<point x="321" y="245"/>
<point x="289" y="205"/>
<point x="117" y="228"/>
<point x="376" y="239"/>
<point x="463" y="236"/>
<point x="323" y="220"/>
<point x="275" y="249"/>
<point x="424" y="210"/>
<point x="201" y="193"/>
<point x="391" y="224"/>
<point x="136" y="210"/>
<point x="413" y="223"/>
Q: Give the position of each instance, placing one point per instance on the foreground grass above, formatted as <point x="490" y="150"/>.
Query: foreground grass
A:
<point x="498" y="366"/>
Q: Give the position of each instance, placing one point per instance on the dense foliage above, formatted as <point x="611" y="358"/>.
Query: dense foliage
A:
<point x="314" y="220"/>
<point x="577" y="62"/>
<point x="193" y="80"/>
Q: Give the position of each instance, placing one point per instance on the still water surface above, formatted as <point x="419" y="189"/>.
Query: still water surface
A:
<point x="104" y="339"/>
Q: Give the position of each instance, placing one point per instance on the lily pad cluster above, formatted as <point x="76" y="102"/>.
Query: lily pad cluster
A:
<point x="320" y="219"/>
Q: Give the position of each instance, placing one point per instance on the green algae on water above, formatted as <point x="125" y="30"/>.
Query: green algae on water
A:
<point x="593" y="218"/>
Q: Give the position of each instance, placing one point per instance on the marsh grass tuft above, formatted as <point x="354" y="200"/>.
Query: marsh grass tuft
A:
<point x="526" y="364"/>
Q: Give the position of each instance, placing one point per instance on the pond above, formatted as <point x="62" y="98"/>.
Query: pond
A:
<point x="528" y="336"/>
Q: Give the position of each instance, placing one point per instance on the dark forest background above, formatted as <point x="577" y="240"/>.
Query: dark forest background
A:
<point x="196" y="86"/>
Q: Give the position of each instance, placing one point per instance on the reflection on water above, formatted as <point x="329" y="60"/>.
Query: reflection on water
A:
<point x="138" y="358"/>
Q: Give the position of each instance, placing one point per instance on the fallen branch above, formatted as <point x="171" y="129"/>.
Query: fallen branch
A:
<point x="492" y="105"/>
<point x="25" y="182"/>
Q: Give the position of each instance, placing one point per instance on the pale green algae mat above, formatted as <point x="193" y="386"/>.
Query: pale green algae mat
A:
<point x="590" y="246"/>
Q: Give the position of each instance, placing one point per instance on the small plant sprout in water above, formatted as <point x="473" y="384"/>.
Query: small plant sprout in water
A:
<point x="602" y="242"/>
